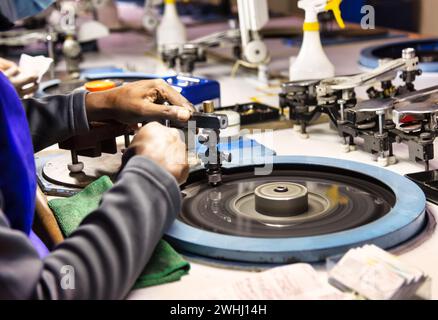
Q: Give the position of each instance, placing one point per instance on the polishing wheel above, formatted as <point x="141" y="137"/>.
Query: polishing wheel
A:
<point x="307" y="209"/>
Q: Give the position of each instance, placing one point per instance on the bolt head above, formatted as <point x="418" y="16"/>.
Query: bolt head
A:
<point x="203" y="138"/>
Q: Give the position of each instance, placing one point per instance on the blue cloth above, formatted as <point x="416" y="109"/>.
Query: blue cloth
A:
<point x="17" y="164"/>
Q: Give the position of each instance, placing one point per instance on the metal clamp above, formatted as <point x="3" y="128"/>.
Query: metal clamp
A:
<point x="213" y="158"/>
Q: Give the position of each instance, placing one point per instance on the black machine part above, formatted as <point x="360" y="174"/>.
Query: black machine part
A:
<point x="210" y="121"/>
<point x="253" y="112"/>
<point x="428" y="182"/>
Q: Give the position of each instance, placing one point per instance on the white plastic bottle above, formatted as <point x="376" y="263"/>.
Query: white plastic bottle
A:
<point x="312" y="63"/>
<point x="171" y="30"/>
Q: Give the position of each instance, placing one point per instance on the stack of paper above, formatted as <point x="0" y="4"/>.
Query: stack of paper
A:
<point x="376" y="274"/>
<point x="298" y="282"/>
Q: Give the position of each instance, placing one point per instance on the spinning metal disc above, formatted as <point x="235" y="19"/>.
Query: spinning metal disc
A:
<point x="246" y="205"/>
<point x="349" y="204"/>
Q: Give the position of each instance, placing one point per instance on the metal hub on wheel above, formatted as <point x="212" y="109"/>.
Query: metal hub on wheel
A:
<point x="281" y="199"/>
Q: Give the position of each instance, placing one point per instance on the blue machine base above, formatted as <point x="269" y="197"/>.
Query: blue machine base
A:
<point x="404" y="221"/>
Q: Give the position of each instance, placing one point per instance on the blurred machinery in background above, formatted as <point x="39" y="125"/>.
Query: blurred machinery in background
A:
<point x="65" y="20"/>
<point x="60" y="31"/>
<point x="150" y="19"/>
<point x="253" y="16"/>
<point x="246" y="41"/>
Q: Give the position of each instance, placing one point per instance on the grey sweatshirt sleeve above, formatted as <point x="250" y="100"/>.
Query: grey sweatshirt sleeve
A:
<point x="53" y="119"/>
<point x="109" y="249"/>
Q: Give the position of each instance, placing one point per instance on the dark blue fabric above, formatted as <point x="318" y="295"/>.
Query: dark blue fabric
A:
<point x="17" y="164"/>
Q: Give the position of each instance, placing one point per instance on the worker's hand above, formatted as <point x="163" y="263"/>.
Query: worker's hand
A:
<point x="24" y="84"/>
<point x="9" y="68"/>
<point x="137" y="102"/>
<point x="164" y="146"/>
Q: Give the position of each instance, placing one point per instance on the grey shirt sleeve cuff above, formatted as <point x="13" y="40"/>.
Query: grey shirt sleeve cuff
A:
<point x="79" y="112"/>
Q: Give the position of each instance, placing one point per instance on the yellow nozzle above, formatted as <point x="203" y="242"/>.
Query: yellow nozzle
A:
<point x="335" y="6"/>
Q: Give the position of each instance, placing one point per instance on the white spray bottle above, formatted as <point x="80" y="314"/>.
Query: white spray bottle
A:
<point x="171" y="30"/>
<point x="312" y="62"/>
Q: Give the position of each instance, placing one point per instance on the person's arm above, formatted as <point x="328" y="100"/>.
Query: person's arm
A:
<point x="109" y="249"/>
<point x="112" y="245"/>
<point x="56" y="118"/>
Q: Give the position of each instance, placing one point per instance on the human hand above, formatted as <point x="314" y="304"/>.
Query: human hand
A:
<point x="23" y="84"/>
<point x="164" y="146"/>
<point x="9" y="68"/>
<point x="137" y="102"/>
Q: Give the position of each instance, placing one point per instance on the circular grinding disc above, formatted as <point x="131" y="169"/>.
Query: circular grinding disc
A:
<point x="355" y="204"/>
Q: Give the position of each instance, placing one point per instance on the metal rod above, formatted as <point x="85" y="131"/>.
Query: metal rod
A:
<point x="341" y="104"/>
<point x="381" y="118"/>
<point x="303" y="127"/>
<point x="74" y="157"/>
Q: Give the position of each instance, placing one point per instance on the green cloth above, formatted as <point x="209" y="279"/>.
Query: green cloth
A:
<point x="165" y="265"/>
<point x="69" y="212"/>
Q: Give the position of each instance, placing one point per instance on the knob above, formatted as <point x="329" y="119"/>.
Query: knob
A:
<point x="408" y="53"/>
<point x="208" y="106"/>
